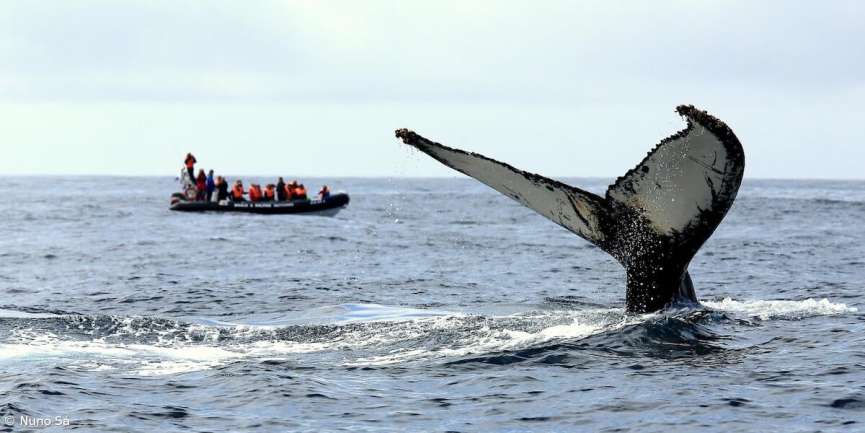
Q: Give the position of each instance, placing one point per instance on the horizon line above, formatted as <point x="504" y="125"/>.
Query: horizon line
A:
<point x="322" y="176"/>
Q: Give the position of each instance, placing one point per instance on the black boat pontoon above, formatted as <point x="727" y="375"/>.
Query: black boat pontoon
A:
<point x="329" y="206"/>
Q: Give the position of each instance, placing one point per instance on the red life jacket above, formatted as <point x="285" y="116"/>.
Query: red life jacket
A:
<point x="269" y="193"/>
<point x="190" y="161"/>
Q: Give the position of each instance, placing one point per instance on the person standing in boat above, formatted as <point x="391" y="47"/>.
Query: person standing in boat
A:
<point x="237" y="191"/>
<point x="209" y="186"/>
<point x="324" y="194"/>
<point x="201" y="185"/>
<point x="221" y="189"/>
<point x="280" y="190"/>
<point x="190" y="165"/>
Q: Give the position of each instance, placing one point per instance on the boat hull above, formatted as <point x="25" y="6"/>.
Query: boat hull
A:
<point x="328" y="207"/>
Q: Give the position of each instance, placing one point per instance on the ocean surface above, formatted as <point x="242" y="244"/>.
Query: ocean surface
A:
<point x="426" y="305"/>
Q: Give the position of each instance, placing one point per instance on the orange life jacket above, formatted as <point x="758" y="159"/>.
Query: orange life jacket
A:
<point x="289" y="192"/>
<point x="237" y="192"/>
<point x="269" y="193"/>
<point x="254" y="193"/>
<point x="300" y="192"/>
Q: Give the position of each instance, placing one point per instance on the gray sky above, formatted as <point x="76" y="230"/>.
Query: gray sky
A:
<point x="563" y="88"/>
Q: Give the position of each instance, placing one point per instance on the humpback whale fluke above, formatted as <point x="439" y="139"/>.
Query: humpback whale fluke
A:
<point x="653" y="219"/>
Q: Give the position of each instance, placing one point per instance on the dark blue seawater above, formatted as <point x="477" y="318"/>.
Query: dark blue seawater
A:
<point x="426" y="305"/>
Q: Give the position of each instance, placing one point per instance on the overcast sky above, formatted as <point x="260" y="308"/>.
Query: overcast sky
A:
<point x="563" y="88"/>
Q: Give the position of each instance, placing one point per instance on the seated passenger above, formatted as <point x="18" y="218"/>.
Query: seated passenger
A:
<point x="324" y="193"/>
<point x="254" y="193"/>
<point x="300" y="192"/>
<point x="289" y="191"/>
<point x="237" y="191"/>
<point x="270" y="192"/>
<point x="221" y="189"/>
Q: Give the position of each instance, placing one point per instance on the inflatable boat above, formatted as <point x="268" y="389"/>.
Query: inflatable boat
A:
<point x="328" y="207"/>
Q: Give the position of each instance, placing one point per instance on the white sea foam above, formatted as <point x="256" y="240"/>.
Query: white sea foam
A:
<point x="99" y="355"/>
<point x="145" y="359"/>
<point x="487" y="340"/>
<point x="438" y="335"/>
<point x="385" y="335"/>
<point x="780" y="309"/>
<point x="375" y="312"/>
<point x="15" y="314"/>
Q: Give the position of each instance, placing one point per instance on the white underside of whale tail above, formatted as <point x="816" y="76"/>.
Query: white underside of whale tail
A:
<point x="682" y="189"/>
<point x="688" y="181"/>
<point x="572" y="208"/>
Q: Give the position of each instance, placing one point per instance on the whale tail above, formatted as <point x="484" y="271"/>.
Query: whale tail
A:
<point x="653" y="219"/>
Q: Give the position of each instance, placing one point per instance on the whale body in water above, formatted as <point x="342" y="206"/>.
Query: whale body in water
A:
<point x="652" y="220"/>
